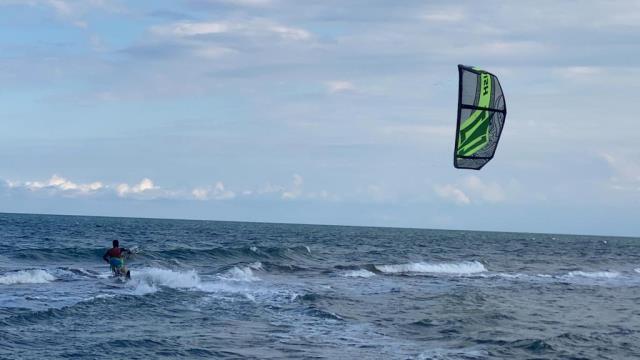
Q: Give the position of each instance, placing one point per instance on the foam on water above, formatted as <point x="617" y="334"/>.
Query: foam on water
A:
<point x="35" y="276"/>
<point x="451" y="354"/>
<point x="147" y="280"/>
<point x="593" y="274"/>
<point x="242" y="273"/>
<point x="459" y="268"/>
<point x="359" y="273"/>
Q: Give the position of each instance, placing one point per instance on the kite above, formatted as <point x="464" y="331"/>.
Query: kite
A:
<point x="481" y="114"/>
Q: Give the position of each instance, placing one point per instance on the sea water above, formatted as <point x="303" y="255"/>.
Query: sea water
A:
<point x="231" y="290"/>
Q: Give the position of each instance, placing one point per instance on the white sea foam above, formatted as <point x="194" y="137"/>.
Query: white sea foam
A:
<point x="460" y="268"/>
<point x="593" y="274"/>
<point x="242" y="273"/>
<point x="359" y="273"/>
<point x="35" y="276"/>
<point x="147" y="280"/>
<point x="99" y="296"/>
<point x="637" y="270"/>
<point x="442" y="354"/>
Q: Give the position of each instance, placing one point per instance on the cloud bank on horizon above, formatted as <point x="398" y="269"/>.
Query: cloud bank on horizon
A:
<point x="319" y="112"/>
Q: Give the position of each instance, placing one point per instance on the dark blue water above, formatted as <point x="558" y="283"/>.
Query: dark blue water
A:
<point x="204" y="289"/>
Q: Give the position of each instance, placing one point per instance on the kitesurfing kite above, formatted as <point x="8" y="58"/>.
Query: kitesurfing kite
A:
<point x="481" y="114"/>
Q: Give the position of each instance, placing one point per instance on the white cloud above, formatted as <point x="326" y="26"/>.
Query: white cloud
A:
<point x="58" y="183"/>
<point x="579" y="72"/>
<point x="450" y="15"/>
<point x="296" y="189"/>
<point x="471" y="190"/>
<point x="450" y="192"/>
<point x="626" y="172"/>
<point x="145" y="185"/>
<point x="490" y="192"/>
<point x="70" y="11"/>
<point x="61" y="7"/>
<point x="270" y="188"/>
<point x="339" y="86"/>
<point x="248" y="28"/>
<point x="215" y="192"/>
<point x="212" y="52"/>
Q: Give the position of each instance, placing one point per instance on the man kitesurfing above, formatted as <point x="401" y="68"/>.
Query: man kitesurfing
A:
<point x="115" y="258"/>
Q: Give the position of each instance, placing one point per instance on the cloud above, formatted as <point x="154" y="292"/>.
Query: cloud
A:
<point x="270" y="189"/>
<point x="147" y="189"/>
<point x="472" y="190"/>
<point x="579" y="72"/>
<point x="340" y="86"/>
<point x="61" y="7"/>
<point x="626" y="172"/>
<point x="216" y="192"/>
<point x="490" y="192"/>
<point x="58" y="184"/>
<point x="144" y="186"/>
<point x="296" y="189"/>
<point x="451" y="192"/>
<point x="69" y="10"/>
<point x="246" y="28"/>
<point x="377" y="193"/>
<point x="446" y="15"/>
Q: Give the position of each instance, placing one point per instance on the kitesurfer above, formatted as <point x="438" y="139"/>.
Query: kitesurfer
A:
<point x="115" y="258"/>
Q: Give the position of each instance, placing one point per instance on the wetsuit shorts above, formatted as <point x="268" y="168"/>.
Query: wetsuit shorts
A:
<point x="116" y="263"/>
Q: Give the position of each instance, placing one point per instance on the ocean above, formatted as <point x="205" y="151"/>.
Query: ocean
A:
<point x="234" y="290"/>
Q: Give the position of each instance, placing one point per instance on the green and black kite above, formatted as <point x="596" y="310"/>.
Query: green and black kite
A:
<point x="481" y="114"/>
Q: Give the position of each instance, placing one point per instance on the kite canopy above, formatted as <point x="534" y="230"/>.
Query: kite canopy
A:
<point x="481" y="114"/>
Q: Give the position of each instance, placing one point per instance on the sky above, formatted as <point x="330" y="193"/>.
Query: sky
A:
<point x="324" y="112"/>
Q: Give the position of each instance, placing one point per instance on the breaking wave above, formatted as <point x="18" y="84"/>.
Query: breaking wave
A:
<point x="35" y="276"/>
<point x="242" y="273"/>
<point x="359" y="273"/>
<point x="594" y="274"/>
<point x="460" y="268"/>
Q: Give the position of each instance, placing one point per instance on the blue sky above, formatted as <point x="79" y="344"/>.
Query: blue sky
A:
<point x="337" y="112"/>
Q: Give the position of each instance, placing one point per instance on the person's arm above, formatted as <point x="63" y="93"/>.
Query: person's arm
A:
<point x="106" y="256"/>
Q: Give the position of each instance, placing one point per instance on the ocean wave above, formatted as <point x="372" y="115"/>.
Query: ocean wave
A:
<point x="242" y="273"/>
<point x="35" y="276"/>
<point x="453" y="354"/>
<point x="593" y="274"/>
<point x="147" y="280"/>
<point x="576" y="277"/>
<point x="186" y="254"/>
<point x="359" y="273"/>
<point x="459" y="268"/>
<point x="55" y="254"/>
